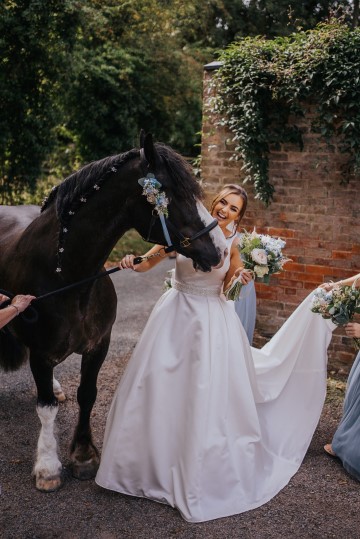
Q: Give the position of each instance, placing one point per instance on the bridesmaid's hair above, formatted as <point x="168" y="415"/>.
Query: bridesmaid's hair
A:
<point x="232" y="189"/>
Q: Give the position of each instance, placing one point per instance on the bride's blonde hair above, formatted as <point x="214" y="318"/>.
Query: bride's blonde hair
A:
<point x="232" y="189"/>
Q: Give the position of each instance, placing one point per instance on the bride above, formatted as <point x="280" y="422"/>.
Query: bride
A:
<point x="200" y="420"/>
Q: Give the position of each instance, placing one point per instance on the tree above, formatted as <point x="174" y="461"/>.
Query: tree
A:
<point x="36" y="37"/>
<point x="233" y="19"/>
<point x="129" y="71"/>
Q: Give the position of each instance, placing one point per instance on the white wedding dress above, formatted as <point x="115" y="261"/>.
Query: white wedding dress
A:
<point x="200" y="420"/>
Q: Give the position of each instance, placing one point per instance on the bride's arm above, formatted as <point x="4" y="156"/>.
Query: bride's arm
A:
<point x="236" y="267"/>
<point x="128" y="261"/>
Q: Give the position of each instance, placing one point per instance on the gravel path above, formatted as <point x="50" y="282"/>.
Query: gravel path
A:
<point x="321" y="501"/>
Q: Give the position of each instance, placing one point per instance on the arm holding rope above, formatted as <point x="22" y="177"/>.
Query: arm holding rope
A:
<point x="150" y="259"/>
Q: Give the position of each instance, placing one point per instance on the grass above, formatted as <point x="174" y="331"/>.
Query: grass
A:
<point x="130" y="243"/>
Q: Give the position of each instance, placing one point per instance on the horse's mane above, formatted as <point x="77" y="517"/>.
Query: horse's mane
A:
<point x="184" y="186"/>
<point x="80" y="184"/>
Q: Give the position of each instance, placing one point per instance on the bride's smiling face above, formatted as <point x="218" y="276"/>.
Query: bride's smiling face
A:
<point x="227" y="209"/>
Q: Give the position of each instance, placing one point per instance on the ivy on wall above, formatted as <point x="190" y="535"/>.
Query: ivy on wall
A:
<point x="263" y="86"/>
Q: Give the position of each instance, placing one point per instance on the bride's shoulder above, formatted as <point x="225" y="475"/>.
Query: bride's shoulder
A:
<point x="234" y="241"/>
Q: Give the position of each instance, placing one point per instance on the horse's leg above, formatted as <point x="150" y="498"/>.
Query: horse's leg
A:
<point x="84" y="455"/>
<point x="58" y="392"/>
<point x="47" y="468"/>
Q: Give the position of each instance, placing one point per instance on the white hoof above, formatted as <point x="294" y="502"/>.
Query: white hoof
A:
<point x="58" y="392"/>
<point x="48" y="484"/>
<point x="60" y="395"/>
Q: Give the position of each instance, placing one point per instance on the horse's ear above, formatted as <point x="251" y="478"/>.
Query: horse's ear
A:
<point x="149" y="151"/>
<point x="142" y="138"/>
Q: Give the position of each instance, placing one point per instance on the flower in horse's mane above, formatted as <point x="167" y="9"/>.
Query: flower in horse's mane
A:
<point x="151" y="189"/>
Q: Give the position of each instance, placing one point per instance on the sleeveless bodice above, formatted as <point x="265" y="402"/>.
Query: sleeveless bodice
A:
<point x="188" y="280"/>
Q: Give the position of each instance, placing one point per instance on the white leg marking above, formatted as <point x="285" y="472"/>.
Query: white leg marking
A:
<point x="58" y="392"/>
<point x="47" y="467"/>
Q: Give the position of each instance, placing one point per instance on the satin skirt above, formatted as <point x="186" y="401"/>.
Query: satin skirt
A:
<point x="203" y="422"/>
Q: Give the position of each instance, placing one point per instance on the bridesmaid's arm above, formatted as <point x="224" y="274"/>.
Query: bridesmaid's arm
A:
<point x="344" y="282"/>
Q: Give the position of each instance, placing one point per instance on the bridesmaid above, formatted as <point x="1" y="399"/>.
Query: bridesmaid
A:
<point x="245" y="306"/>
<point x="346" y="441"/>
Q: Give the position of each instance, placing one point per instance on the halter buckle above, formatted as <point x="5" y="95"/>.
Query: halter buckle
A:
<point x="185" y="242"/>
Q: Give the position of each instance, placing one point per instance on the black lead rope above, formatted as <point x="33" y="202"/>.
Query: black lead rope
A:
<point x="30" y="314"/>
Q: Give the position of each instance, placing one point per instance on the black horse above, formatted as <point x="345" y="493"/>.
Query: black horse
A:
<point x="69" y="240"/>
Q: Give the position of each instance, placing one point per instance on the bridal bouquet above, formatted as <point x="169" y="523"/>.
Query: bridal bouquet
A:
<point x="339" y="305"/>
<point x="260" y="253"/>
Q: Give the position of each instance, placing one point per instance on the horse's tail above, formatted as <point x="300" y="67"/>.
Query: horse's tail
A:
<point x="13" y="353"/>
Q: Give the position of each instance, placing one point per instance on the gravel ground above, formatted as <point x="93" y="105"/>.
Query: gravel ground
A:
<point x="321" y="501"/>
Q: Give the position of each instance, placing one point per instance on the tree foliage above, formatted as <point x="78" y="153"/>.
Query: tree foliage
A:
<point x="79" y="78"/>
<point x="35" y="41"/>
<point x="129" y="71"/>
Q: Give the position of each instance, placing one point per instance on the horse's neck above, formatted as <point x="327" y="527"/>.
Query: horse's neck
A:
<point x="85" y="244"/>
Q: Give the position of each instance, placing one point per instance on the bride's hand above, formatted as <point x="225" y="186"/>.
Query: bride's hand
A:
<point x="244" y="274"/>
<point x="127" y="262"/>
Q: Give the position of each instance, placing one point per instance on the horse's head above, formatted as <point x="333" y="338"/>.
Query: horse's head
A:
<point x="188" y="225"/>
<point x="105" y="196"/>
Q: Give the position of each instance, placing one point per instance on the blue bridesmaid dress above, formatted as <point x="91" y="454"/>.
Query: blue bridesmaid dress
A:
<point x="346" y="441"/>
<point x="245" y="308"/>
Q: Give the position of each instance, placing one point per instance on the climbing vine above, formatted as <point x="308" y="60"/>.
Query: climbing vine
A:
<point x="263" y="86"/>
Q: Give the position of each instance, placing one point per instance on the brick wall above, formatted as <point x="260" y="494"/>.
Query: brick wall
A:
<point x="316" y="215"/>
